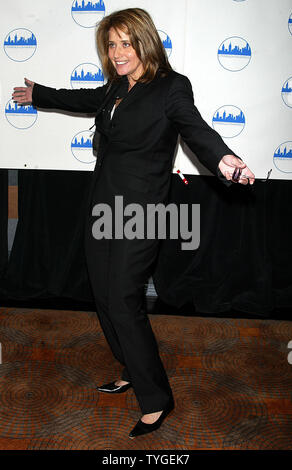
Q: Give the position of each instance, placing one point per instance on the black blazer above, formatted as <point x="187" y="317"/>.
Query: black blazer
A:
<point x="137" y="146"/>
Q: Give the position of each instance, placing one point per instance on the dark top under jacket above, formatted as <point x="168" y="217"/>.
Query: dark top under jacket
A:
<point x="137" y="146"/>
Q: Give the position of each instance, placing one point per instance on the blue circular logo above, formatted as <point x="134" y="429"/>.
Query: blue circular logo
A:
<point x="81" y="147"/>
<point x="290" y="23"/>
<point x="20" y="44"/>
<point x="283" y="157"/>
<point x="166" y="41"/>
<point x="287" y="92"/>
<point x="87" y="13"/>
<point x="21" y="117"/>
<point x="228" y="121"/>
<point x="86" y="76"/>
<point x="234" y="54"/>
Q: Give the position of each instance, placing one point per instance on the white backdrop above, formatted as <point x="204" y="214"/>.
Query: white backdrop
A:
<point x="237" y="54"/>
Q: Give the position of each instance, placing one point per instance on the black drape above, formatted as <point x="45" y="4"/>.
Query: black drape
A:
<point x="243" y="261"/>
<point x="244" y="258"/>
<point x="3" y="221"/>
<point x="47" y="258"/>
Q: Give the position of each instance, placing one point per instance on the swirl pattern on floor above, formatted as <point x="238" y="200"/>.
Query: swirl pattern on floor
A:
<point x="231" y="381"/>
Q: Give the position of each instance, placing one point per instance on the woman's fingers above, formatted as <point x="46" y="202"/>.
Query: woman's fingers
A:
<point x="246" y="177"/>
<point x="243" y="181"/>
<point x="19" y="92"/>
<point x="23" y="94"/>
<point x="20" y="89"/>
<point x="22" y="100"/>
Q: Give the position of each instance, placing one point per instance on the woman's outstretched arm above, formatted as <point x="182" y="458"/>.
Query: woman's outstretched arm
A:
<point x="83" y="100"/>
<point x="204" y="141"/>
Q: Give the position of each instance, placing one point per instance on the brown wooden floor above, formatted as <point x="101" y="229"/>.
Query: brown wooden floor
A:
<point x="231" y="380"/>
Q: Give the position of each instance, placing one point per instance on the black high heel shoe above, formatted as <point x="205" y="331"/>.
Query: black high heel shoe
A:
<point x="113" y="388"/>
<point x="144" y="428"/>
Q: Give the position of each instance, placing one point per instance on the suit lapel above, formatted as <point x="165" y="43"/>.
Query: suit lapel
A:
<point x="131" y="96"/>
<point x="134" y="94"/>
<point x="117" y="90"/>
<point x="120" y="89"/>
<point x="114" y="88"/>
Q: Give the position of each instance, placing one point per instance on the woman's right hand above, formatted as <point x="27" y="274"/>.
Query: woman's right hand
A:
<point x="23" y="95"/>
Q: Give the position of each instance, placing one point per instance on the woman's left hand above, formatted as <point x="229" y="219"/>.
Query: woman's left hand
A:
<point x="227" y="166"/>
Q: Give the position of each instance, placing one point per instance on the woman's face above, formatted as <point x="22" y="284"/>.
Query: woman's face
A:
<point x="122" y="54"/>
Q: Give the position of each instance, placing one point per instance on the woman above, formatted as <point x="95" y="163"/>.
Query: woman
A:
<point x="139" y="114"/>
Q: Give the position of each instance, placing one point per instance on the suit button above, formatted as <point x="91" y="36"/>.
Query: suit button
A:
<point x="113" y="126"/>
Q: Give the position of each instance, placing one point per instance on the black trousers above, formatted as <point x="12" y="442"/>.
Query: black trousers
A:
<point x="118" y="271"/>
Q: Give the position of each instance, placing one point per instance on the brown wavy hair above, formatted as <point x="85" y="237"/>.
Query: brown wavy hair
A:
<point x="145" y="40"/>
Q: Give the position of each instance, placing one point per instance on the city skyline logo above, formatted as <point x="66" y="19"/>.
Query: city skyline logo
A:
<point x="290" y="23"/>
<point x="21" y="117"/>
<point x="234" y="54"/>
<point x="228" y="121"/>
<point x="287" y="92"/>
<point x="87" y="13"/>
<point x="20" y="44"/>
<point x="283" y="157"/>
<point x="166" y="41"/>
<point x="86" y="75"/>
<point x="81" y="147"/>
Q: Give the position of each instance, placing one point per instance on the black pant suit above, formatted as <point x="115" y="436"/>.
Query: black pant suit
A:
<point x="134" y="160"/>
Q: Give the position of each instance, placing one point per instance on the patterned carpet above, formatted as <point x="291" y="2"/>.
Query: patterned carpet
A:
<point x="231" y="381"/>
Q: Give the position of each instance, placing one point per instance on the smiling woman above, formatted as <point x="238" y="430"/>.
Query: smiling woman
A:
<point x="131" y="29"/>
<point x="134" y="160"/>
<point x="123" y="56"/>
